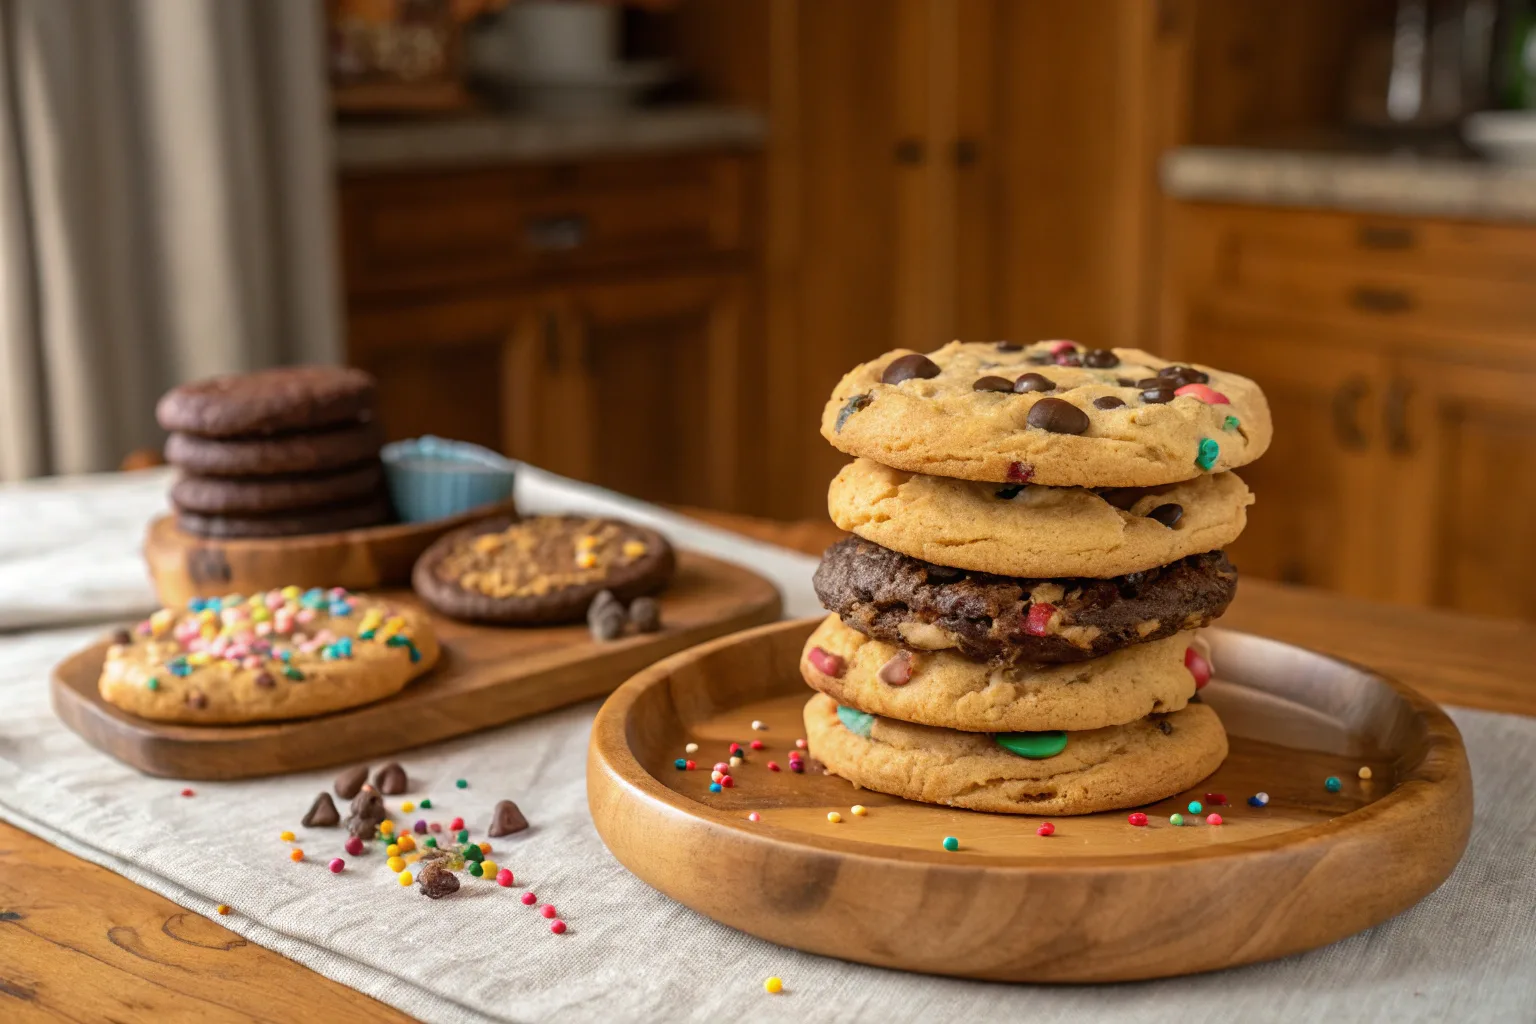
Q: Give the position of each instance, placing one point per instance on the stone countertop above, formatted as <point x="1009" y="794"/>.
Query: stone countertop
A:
<point x="482" y="139"/>
<point x="1388" y="183"/>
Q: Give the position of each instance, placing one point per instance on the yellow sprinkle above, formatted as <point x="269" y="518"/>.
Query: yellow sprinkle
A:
<point x="386" y="826"/>
<point x="586" y="559"/>
<point x="406" y="843"/>
<point x="586" y="542"/>
<point x="634" y="548"/>
<point x="260" y="614"/>
<point x="1364" y="772"/>
<point x="834" y="817"/>
<point x="292" y="593"/>
<point x="199" y="658"/>
<point x="773" y="986"/>
<point x="395" y="623"/>
<point x="208" y="631"/>
<point x="407" y="807"/>
<point x="392" y="850"/>
<point x="286" y="837"/>
<point x="488" y="869"/>
<point x="860" y="810"/>
<point x="395" y="863"/>
<point x="222" y="908"/>
<point x="405" y="878"/>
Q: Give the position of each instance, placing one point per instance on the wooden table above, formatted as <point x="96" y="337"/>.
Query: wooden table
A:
<point x="80" y="943"/>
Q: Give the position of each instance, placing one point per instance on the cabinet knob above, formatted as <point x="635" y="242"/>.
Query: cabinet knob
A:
<point x="1346" y="413"/>
<point x="967" y="152"/>
<point x="909" y="151"/>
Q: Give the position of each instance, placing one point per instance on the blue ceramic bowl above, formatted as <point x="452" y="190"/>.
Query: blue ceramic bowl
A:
<point x="430" y="478"/>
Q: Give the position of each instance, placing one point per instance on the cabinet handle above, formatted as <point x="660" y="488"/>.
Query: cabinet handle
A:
<point x="967" y="152"/>
<point x="551" y="342"/>
<point x="1346" y="419"/>
<point x="1380" y="300"/>
<point x="555" y="234"/>
<point x="909" y="151"/>
<point x="1382" y="236"/>
<point x="1395" y="415"/>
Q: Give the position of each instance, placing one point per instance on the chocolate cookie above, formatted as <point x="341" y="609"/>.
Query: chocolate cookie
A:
<point x="369" y="512"/>
<point x="212" y="495"/>
<point x="278" y="401"/>
<point x="1004" y="619"/>
<point x="542" y="569"/>
<point x="275" y="456"/>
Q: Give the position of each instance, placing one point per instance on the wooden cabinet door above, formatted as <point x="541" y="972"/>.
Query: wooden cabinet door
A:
<point x="1322" y="487"/>
<point x="1463" y="438"/>
<point x="645" y="379"/>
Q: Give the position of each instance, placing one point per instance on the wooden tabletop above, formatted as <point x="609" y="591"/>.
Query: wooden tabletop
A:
<point x="80" y="943"/>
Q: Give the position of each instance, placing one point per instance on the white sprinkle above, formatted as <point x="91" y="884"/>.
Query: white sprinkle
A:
<point x="735" y="762"/>
<point x="1365" y="772"/>
<point x="692" y="748"/>
<point x="759" y="726"/>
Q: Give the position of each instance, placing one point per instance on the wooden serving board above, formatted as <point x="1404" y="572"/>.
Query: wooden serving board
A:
<point x="487" y="676"/>
<point x="184" y="566"/>
<point x="1100" y="900"/>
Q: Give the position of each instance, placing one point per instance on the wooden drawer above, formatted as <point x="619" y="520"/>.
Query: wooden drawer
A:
<point x="428" y="230"/>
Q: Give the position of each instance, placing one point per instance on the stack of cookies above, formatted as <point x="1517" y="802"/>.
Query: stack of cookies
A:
<point x="1037" y="532"/>
<point x="276" y="453"/>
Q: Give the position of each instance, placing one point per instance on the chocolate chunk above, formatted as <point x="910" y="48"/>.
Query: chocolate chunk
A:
<point x="852" y="406"/>
<point x="196" y="700"/>
<point x="391" y="780"/>
<point x="1009" y="491"/>
<point x="1100" y="358"/>
<point x="992" y="384"/>
<point x="366" y="812"/>
<point x="1157" y="396"/>
<point x="322" y="813"/>
<point x="349" y="782"/>
<point x="908" y="366"/>
<point x="265" y="680"/>
<point x="1108" y="402"/>
<point x="1125" y="382"/>
<point x="123" y="638"/>
<point x="1184" y="375"/>
<point x="1033" y="382"/>
<point x="1169" y="514"/>
<point x="1009" y="346"/>
<point x="645" y="614"/>
<point x="600" y="599"/>
<point x="506" y="819"/>
<point x="435" y="881"/>
<point x="1058" y="416"/>
<point x="1152" y="383"/>
<point x="1167" y="726"/>
<point x="606" y="623"/>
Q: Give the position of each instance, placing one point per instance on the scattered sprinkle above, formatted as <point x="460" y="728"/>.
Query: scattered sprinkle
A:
<point x="407" y="807"/>
<point x="759" y="726"/>
<point x="461" y="783"/>
<point x="714" y="787"/>
<point x="859" y="810"/>
<point x="1175" y="819"/>
<point x="529" y="899"/>
<point x="1216" y="799"/>
<point x="727" y="781"/>
<point x="754" y="816"/>
<point x="353" y="845"/>
<point x="800" y="744"/>
<point x="1136" y="818"/>
<point x="455" y="824"/>
<point x="297" y="855"/>
<point x="689" y="765"/>
<point x="286" y="837"/>
<point x="426" y="804"/>
<point x="951" y="844"/>
<point x="1332" y="784"/>
<point x="691" y="748"/>
<point x="736" y="762"/>
<point x="504" y="878"/>
<point x="395" y="863"/>
<point x="681" y="764"/>
<point x="756" y="744"/>
<point x="1258" y="800"/>
<point x="1194" y="807"/>
<point x="773" y="986"/>
<point x="547" y="910"/>
<point x="834" y="817"/>
<point x="773" y="766"/>
<point x="1364" y="772"/>
<point x="336" y="865"/>
<point x="222" y="908"/>
<point x="1045" y="830"/>
<point x="405" y="878"/>
<point x="558" y="927"/>
<point x="188" y="792"/>
<point x="735" y="748"/>
<point x="1213" y="819"/>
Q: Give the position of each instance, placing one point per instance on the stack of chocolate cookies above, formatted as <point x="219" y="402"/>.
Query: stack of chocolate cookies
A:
<point x="1037" y="534"/>
<point x="276" y="453"/>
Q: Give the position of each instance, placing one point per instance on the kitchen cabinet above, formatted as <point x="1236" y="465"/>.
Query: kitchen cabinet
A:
<point x="1399" y="356"/>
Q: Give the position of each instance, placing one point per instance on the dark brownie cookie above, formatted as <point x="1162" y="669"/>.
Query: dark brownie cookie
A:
<point x="1004" y="620"/>
<point x="258" y="495"/>
<point x="268" y="402"/>
<point x="370" y="512"/>
<point x="542" y="569"/>
<point x="275" y="456"/>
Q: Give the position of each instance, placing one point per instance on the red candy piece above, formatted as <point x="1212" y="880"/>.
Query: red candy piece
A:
<point x="826" y="663"/>
<point x="689" y="765"/>
<point x="558" y="927"/>
<point x="1217" y="799"/>
<point x="735" y="748"/>
<point x="354" y="845"/>
<point x="1020" y="473"/>
<point x="721" y="766"/>
<point x="756" y="744"/>
<point x="1198" y="667"/>
<point x="1037" y="622"/>
<point x="897" y="671"/>
<point x="504" y="877"/>
<point x="726" y="782"/>
<point x="187" y="792"/>
<point x="547" y="910"/>
<point x="1058" y="347"/>
<point x="1045" y="830"/>
<point x="1213" y="819"/>
<point x="456" y="824"/>
<point x="773" y="766"/>
<point x="1205" y="393"/>
<point x="529" y="899"/>
<point x="1136" y="818"/>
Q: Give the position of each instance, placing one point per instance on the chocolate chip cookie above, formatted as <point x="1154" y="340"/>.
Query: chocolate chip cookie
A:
<point x="542" y="569"/>
<point x="1004" y="619"/>
<point x="1049" y="413"/>
<point x="278" y="401"/>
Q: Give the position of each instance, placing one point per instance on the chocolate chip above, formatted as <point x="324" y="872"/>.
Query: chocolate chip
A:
<point x="1108" y="402"/>
<point x="897" y="671"/>
<point x="1009" y="492"/>
<point x="322" y="813"/>
<point x="1058" y="416"/>
<point x="1041" y="358"/>
<point x="1009" y="346"/>
<point x="606" y="623"/>
<point x="1169" y="514"/>
<point x="350" y="782"/>
<point x="852" y="406"/>
<point x="196" y="700"/>
<point x="992" y="384"/>
<point x="123" y="638"/>
<point x="1157" y="396"/>
<point x="909" y="366"/>
<point x="265" y="680"/>
<point x="645" y="614"/>
<point x="390" y="779"/>
<point x="435" y="881"/>
<point x="1100" y="358"/>
<point x="506" y="819"/>
<point x="1184" y="374"/>
<point x="366" y="812"/>
<point x="1033" y="382"/>
<point x="1125" y="382"/>
<point x="1151" y="383"/>
<point x="1166" y="726"/>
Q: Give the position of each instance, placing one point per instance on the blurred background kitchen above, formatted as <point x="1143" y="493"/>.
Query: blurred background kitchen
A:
<point x="637" y="243"/>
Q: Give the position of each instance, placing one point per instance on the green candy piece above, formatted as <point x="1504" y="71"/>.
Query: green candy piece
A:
<point x="431" y="842"/>
<point x="463" y="835"/>
<point x="1230" y="423"/>
<point x="1209" y="451"/>
<point x="293" y="673"/>
<point x="1034" y="745"/>
<point x="426" y="804"/>
<point x="152" y="683"/>
<point x="476" y="870"/>
<point x="857" y="722"/>
<point x="472" y="852"/>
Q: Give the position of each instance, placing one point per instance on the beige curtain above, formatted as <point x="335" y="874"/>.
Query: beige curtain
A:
<point x="165" y="212"/>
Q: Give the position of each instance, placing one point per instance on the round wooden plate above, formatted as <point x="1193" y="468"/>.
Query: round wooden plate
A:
<point x="1100" y="900"/>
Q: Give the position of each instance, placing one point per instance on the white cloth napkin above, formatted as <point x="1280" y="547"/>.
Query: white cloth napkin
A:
<point x="1467" y="952"/>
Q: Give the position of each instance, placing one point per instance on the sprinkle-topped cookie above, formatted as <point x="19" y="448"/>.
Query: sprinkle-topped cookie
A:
<point x="540" y="569"/>
<point x="1050" y="413"/>
<point x="284" y="653"/>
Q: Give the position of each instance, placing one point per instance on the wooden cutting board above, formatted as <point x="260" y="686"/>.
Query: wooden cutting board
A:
<point x="487" y="676"/>
<point x="1100" y="899"/>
